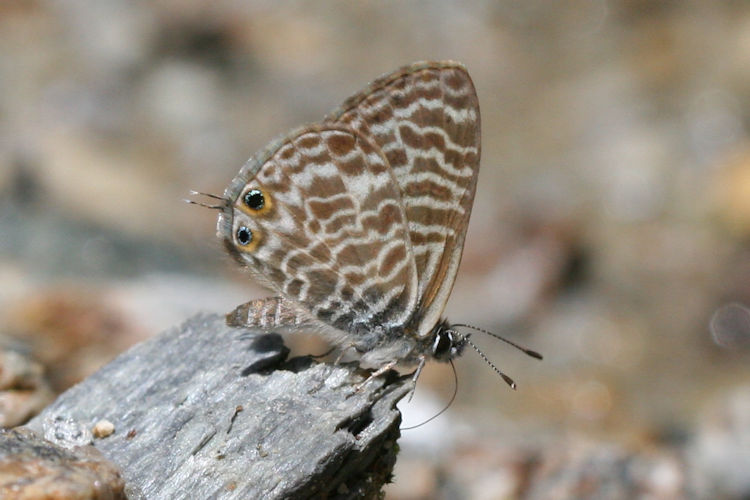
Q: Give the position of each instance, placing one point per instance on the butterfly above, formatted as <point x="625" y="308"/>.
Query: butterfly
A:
<point x="357" y="222"/>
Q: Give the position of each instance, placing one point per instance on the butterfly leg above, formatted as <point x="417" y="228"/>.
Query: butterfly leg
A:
<point x="416" y="376"/>
<point x="343" y="352"/>
<point x="375" y="374"/>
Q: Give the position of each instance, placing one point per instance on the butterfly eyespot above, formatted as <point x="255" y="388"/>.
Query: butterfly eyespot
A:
<point x="244" y="236"/>
<point x="254" y="199"/>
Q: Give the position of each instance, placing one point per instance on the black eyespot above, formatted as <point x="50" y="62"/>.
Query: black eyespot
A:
<point x="244" y="236"/>
<point x="254" y="199"/>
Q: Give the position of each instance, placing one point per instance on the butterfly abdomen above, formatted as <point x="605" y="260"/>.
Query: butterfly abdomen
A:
<point x="269" y="313"/>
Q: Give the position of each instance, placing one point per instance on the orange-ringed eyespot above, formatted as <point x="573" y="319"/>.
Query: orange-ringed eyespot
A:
<point x="254" y="199"/>
<point x="244" y="236"/>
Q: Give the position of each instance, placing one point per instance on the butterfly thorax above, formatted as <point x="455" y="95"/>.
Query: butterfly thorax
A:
<point x="379" y="345"/>
<point x="376" y="343"/>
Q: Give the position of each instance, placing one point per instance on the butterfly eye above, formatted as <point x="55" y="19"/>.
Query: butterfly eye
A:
<point x="244" y="236"/>
<point x="254" y="199"/>
<point x="441" y="348"/>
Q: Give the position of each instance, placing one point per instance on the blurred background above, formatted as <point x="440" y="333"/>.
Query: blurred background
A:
<point x="611" y="226"/>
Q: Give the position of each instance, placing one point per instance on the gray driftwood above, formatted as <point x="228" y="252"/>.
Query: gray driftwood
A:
<point x="206" y="411"/>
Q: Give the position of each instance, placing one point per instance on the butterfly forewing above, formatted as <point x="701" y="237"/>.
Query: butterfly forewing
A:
<point x="332" y="234"/>
<point x="425" y="119"/>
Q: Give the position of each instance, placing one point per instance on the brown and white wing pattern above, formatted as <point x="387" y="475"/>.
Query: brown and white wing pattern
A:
<point x="425" y="119"/>
<point x="318" y="218"/>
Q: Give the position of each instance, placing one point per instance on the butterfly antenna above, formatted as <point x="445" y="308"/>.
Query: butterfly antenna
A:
<point x="450" y="403"/>
<point x="524" y="350"/>
<point x="507" y="379"/>
<point x="206" y="205"/>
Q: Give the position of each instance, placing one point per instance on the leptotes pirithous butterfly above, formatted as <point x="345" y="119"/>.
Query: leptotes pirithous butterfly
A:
<point x="358" y="222"/>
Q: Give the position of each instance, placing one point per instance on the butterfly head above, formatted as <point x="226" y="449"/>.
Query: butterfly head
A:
<point x="447" y="343"/>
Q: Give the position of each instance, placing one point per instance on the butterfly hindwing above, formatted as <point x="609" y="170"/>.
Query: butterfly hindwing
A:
<point x="331" y="235"/>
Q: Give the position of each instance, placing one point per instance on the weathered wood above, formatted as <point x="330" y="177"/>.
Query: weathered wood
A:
<point x="206" y="411"/>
